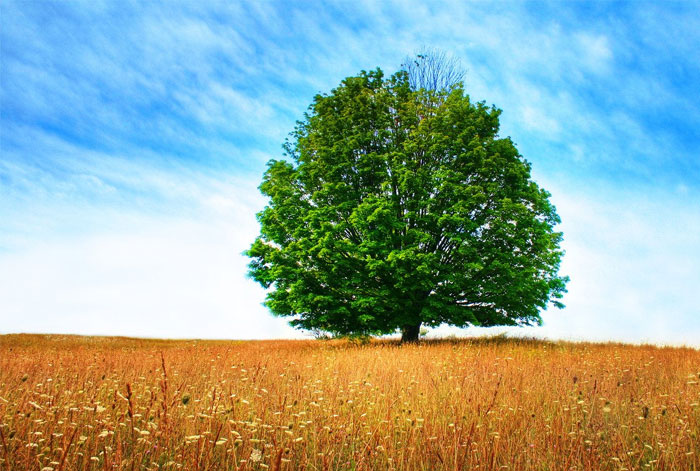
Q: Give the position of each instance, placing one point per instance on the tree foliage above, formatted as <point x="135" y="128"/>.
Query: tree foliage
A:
<point x="399" y="206"/>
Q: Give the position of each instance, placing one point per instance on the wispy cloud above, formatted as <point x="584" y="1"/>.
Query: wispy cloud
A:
<point x="157" y="277"/>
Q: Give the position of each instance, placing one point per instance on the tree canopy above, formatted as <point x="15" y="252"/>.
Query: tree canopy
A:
<point x="397" y="207"/>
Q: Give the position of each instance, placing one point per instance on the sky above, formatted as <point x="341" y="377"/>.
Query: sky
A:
<point x="133" y="136"/>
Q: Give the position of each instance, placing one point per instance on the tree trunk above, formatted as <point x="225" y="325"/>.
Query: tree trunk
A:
<point x="410" y="333"/>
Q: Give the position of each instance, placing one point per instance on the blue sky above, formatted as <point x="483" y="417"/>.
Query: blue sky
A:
<point x="134" y="135"/>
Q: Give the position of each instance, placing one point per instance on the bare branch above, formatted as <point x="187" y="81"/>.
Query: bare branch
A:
<point x="432" y="69"/>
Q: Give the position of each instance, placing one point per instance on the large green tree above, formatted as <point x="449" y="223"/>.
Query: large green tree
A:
<point x="398" y="207"/>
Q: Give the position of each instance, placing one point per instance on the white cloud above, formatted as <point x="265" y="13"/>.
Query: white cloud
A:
<point x="594" y="51"/>
<point x="536" y="119"/>
<point x="153" y="276"/>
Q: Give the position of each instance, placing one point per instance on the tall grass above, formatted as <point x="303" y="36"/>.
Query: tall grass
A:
<point x="73" y="403"/>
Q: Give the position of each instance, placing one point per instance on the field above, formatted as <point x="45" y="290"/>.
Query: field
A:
<point x="90" y="403"/>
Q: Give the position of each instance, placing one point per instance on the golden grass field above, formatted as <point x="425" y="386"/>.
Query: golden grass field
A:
<point x="91" y="403"/>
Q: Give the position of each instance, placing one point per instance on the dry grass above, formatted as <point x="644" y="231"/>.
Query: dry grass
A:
<point x="72" y="403"/>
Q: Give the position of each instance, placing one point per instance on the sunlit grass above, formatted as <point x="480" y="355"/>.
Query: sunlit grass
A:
<point x="74" y="403"/>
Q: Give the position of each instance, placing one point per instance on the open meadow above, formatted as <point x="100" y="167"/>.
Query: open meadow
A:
<point x="91" y="403"/>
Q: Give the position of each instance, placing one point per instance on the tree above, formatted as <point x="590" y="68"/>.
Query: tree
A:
<point x="398" y="207"/>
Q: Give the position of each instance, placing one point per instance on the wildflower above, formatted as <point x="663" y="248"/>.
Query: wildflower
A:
<point x="255" y="455"/>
